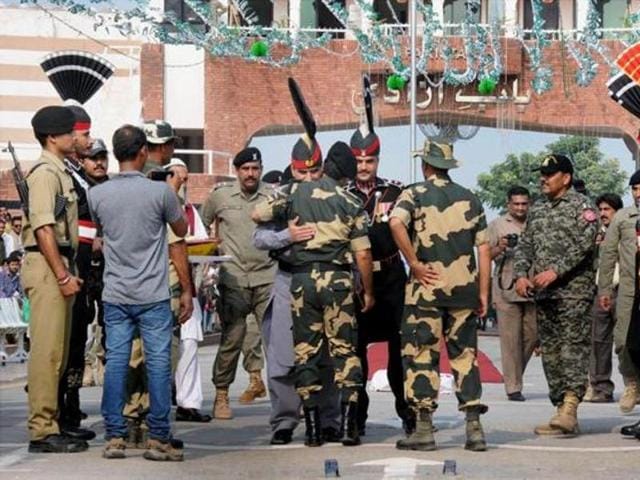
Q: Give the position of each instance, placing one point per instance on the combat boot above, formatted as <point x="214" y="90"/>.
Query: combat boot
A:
<point x="313" y="431"/>
<point x="349" y="425"/>
<point x="546" y="428"/>
<point x="422" y="437"/>
<point x="256" y="388"/>
<point x="629" y="396"/>
<point x="221" y="409"/>
<point x="567" y="418"/>
<point x="475" y="435"/>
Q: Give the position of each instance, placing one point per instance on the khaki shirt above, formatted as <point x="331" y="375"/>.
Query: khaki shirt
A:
<point x="249" y="267"/>
<point x="45" y="182"/>
<point x="620" y="245"/>
<point x="503" y="267"/>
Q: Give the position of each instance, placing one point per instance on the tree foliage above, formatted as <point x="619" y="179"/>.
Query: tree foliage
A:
<point x="600" y="174"/>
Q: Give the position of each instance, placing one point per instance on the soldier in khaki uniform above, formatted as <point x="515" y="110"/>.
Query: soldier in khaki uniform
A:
<point x="447" y="224"/>
<point x="516" y="315"/>
<point x="50" y="238"/>
<point x="245" y="281"/>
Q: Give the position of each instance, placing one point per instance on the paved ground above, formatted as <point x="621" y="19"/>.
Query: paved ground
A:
<point x="239" y="448"/>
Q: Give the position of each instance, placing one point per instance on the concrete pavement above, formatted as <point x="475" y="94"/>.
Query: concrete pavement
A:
<point x="240" y="448"/>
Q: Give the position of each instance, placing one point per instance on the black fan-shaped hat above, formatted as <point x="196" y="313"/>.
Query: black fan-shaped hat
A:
<point x="76" y="75"/>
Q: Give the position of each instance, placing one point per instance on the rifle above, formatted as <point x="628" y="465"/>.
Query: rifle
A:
<point x="19" y="180"/>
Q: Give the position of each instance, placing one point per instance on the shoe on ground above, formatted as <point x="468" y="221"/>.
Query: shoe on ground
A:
<point x="164" y="451"/>
<point x="57" y="444"/>
<point x="631" y="430"/>
<point x="256" y="389"/>
<point x="516" y="397"/>
<point x="115" y="448"/>
<point x="566" y="418"/>
<point x="547" y="430"/>
<point x="331" y="435"/>
<point x="191" y="415"/>
<point x="221" y="408"/>
<point x="629" y="397"/>
<point x="600" y="397"/>
<point x="78" y="433"/>
<point x="282" y="437"/>
<point x="422" y="437"/>
<point x="475" y="436"/>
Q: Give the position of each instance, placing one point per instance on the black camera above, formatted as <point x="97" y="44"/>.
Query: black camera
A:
<point x="512" y="240"/>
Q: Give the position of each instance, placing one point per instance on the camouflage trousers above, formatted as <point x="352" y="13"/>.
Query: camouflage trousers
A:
<point x="322" y="308"/>
<point x="564" y="328"/>
<point x="421" y="333"/>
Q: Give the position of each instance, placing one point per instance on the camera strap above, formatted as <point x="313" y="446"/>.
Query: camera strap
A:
<point x="500" y="270"/>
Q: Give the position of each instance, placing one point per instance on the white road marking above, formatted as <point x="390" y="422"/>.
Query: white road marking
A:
<point x="399" y="467"/>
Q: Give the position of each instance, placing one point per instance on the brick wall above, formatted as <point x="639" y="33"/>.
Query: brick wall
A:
<point x="246" y="98"/>
<point x="152" y="81"/>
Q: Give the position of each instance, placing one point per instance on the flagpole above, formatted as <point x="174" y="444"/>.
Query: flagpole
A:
<point x="412" y="88"/>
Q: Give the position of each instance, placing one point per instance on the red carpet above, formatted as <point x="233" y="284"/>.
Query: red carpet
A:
<point x="377" y="355"/>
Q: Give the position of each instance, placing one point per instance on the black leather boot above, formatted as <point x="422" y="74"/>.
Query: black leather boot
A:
<point x="349" y="425"/>
<point x="632" y="430"/>
<point x="313" y="432"/>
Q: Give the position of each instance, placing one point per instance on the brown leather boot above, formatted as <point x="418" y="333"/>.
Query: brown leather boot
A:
<point x="256" y="388"/>
<point x="221" y="409"/>
<point x="567" y="418"/>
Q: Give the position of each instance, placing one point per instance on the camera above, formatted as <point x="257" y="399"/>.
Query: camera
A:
<point x="512" y="240"/>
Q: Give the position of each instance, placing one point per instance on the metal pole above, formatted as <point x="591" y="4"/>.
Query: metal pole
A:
<point x="413" y="21"/>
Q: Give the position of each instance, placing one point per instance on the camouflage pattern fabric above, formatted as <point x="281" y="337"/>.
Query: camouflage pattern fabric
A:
<point x="322" y="301"/>
<point x="338" y="217"/>
<point x="322" y="307"/>
<point x="560" y="234"/>
<point x="422" y="331"/>
<point x="446" y="221"/>
<point x="565" y="338"/>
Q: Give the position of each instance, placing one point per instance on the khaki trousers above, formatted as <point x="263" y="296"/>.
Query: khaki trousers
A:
<point x="50" y="329"/>
<point x="518" y="339"/>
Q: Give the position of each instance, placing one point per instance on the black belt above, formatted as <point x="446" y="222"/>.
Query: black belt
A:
<point x="64" y="251"/>
<point x="321" y="267"/>
<point x="285" y="266"/>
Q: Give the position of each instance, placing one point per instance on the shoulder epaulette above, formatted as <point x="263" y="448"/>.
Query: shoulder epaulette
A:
<point x="222" y="185"/>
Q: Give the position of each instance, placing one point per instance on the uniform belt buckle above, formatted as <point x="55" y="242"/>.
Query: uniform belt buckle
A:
<point x="377" y="265"/>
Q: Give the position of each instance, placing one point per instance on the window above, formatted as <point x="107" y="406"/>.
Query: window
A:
<point x="192" y="139"/>
<point x="550" y="14"/>
<point x="385" y="15"/>
<point x="263" y="12"/>
<point x="454" y="13"/>
<point x="182" y="11"/>
<point x="613" y="12"/>
<point x="325" y="18"/>
<point x="495" y="11"/>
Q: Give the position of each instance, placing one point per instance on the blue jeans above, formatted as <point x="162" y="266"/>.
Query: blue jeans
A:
<point x="155" y="323"/>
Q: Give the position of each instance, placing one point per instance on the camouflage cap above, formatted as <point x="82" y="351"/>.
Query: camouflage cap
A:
<point x="159" y="132"/>
<point x="439" y="155"/>
<point x="554" y="163"/>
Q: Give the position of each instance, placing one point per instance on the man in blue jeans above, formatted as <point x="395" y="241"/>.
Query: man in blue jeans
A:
<point x="133" y="213"/>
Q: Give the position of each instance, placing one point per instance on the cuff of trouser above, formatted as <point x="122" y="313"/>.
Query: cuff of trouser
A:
<point x="474" y="407"/>
<point x="429" y="405"/>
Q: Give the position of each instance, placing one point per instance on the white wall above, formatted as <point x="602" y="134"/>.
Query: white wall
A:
<point x="184" y="86"/>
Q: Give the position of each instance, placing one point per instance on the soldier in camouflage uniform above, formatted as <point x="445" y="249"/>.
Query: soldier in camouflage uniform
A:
<point x="322" y="285"/>
<point x="559" y="243"/>
<point x="447" y="223"/>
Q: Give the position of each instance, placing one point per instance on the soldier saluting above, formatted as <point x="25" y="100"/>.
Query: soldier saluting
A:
<point x="382" y="323"/>
<point x="50" y="239"/>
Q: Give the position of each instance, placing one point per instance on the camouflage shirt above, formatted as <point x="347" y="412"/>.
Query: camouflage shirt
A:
<point x="338" y="217"/>
<point x="560" y="235"/>
<point x="445" y="222"/>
